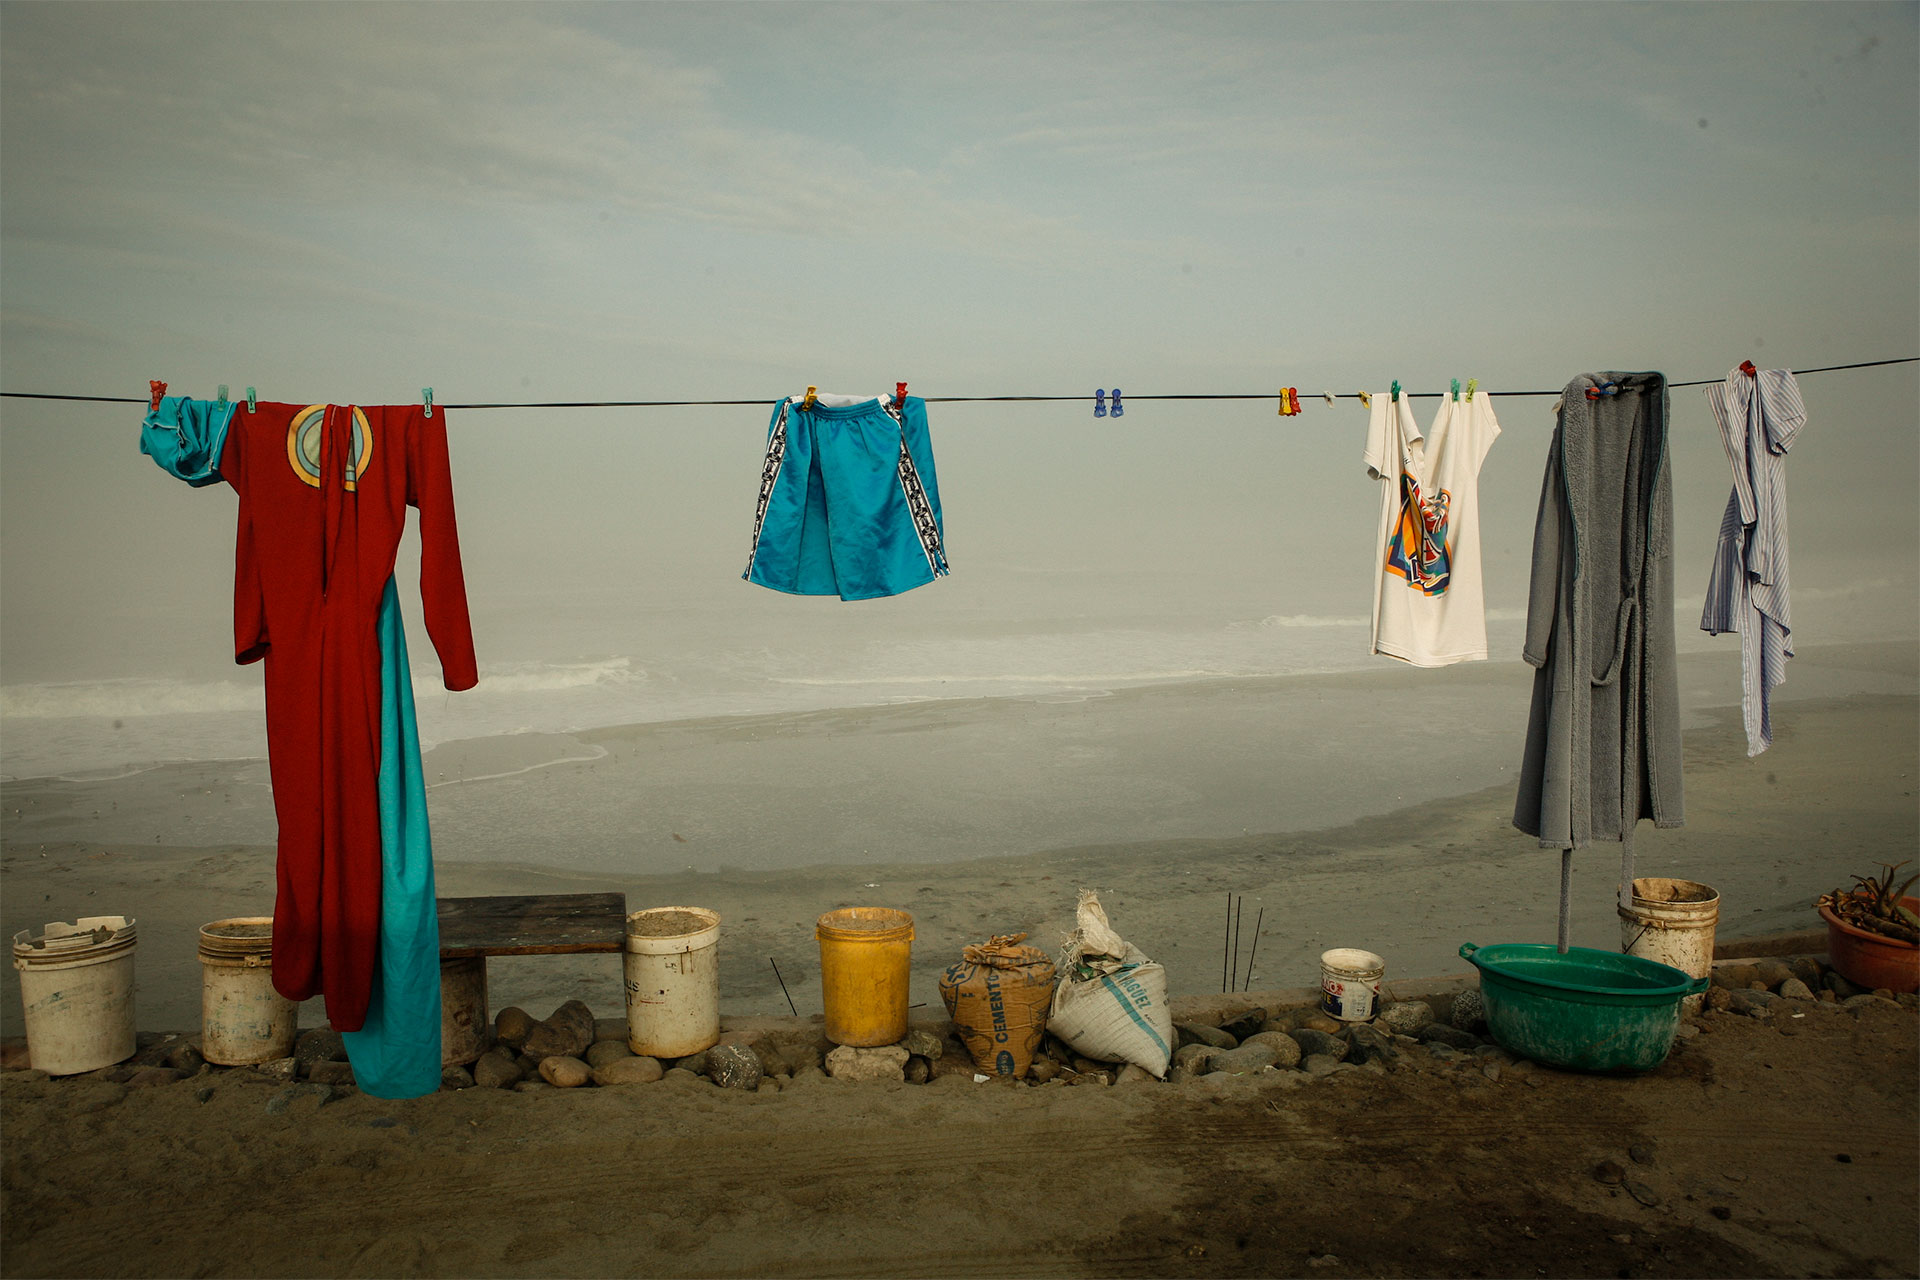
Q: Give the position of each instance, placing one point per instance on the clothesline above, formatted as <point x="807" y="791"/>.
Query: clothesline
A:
<point x="765" y="400"/>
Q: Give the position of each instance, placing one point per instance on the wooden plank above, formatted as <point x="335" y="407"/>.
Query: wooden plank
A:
<point x="532" y="924"/>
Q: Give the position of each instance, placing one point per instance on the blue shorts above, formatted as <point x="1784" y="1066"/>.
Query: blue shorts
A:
<point x="849" y="504"/>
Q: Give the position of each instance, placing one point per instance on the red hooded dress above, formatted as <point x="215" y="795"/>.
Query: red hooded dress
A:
<point x="323" y="496"/>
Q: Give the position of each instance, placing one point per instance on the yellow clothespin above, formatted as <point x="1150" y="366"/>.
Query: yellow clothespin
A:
<point x="1366" y="399"/>
<point x="1472" y="383"/>
<point x="806" y="401"/>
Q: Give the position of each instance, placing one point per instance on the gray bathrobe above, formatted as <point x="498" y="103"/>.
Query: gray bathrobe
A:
<point x="1603" y="737"/>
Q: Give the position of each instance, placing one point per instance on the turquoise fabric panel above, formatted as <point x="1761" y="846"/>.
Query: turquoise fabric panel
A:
<point x="396" y="1054"/>
<point x="185" y="437"/>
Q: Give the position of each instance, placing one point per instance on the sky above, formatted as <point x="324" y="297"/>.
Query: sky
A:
<point x="347" y="203"/>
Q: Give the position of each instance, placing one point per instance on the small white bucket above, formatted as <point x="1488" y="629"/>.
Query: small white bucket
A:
<point x="1350" y="983"/>
<point x="243" y="1020"/>
<point x="76" y="984"/>
<point x="1672" y="922"/>
<point x="672" y="966"/>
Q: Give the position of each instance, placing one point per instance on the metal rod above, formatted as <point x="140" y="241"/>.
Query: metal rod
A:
<point x="1626" y="870"/>
<point x="1566" y="895"/>
<point x="1226" y="941"/>
<point x="1236" y="942"/>
<point x="783" y="986"/>
<point x="1257" y="918"/>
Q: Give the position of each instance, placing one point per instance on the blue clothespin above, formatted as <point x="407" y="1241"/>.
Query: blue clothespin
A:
<point x="222" y="396"/>
<point x="253" y="402"/>
<point x="1100" y="403"/>
<point x="1117" y="410"/>
<point x="426" y="393"/>
<point x="1456" y="390"/>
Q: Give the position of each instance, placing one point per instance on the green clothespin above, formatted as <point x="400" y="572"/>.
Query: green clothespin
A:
<point x="1456" y="390"/>
<point x="253" y="403"/>
<point x="1472" y="385"/>
<point x="426" y="393"/>
<point x="222" y="396"/>
<point x="1395" y="397"/>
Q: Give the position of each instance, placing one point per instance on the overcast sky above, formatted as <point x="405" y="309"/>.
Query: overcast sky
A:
<point x="348" y="202"/>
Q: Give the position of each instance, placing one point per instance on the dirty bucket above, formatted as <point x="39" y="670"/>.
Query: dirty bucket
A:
<point x="243" y="1020"/>
<point x="76" y="985"/>
<point x="1671" y="922"/>
<point x="672" y="966"/>
<point x="1350" y="983"/>
<point x="866" y="959"/>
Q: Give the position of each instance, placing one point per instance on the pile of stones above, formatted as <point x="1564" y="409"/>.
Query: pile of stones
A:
<point x="1308" y="1041"/>
<point x="1757" y="989"/>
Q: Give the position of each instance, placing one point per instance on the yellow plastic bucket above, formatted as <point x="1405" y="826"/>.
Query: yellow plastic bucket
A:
<point x="866" y="958"/>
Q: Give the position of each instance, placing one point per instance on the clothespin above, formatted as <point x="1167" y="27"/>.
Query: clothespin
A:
<point x="1395" y="397"/>
<point x="253" y="403"/>
<point x="1746" y="367"/>
<point x="1366" y="399"/>
<point x="1328" y="397"/>
<point x="1283" y="402"/>
<point x="1473" y="384"/>
<point x="899" y="395"/>
<point x="1100" y="403"/>
<point x="1607" y="388"/>
<point x="1456" y="390"/>
<point x="156" y="389"/>
<point x="806" y="401"/>
<point x="1293" y="402"/>
<point x="426" y="394"/>
<point x="1117" y="410"/>
<point x="222" y="396"/>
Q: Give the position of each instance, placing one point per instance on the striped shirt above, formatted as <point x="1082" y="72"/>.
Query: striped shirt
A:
<point x="1759" y="417"/>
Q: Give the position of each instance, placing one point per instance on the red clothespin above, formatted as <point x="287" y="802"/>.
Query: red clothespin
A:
<point x="158" y="389"/>
<point x="1746" y="367"/>
<point x="899" y="395"/>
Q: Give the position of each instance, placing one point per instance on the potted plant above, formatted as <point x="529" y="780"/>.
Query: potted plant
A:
<point x="1873" y="933"/>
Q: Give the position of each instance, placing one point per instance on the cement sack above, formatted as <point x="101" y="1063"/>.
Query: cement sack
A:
<point x="1111" y="1000"/>
<point x="998" y="996"/>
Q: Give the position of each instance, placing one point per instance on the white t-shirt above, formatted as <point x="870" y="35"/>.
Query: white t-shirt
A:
<point x="1429" y="605"/>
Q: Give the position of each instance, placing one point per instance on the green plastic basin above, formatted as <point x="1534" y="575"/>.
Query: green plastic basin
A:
<point x="1586" y="1009"/>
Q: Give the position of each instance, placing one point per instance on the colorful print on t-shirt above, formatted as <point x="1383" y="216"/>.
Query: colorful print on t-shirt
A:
<point x="1417" y="550"/>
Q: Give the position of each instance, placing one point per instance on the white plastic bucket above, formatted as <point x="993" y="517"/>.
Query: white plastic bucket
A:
<point x="243" y="1020"/>
<point x="672" y="966"/>
<point x="1672" y="922"/>
<point x="1350" y="983"/>
<point x="76" y="984"/>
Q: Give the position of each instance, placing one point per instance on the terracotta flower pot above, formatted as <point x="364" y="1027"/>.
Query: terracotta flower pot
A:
<point x="1872" y="960"/>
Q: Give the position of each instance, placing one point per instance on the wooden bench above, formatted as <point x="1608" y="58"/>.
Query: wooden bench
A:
<point x="548" y="924"/>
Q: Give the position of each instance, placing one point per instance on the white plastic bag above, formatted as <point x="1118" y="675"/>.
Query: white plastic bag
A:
<point x="1111" y="1001"/>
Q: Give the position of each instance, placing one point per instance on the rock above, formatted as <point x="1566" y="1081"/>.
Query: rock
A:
<point x="735" y="1066"/>
<point x="14" y="1055"/>
<point x="772" y="1064"/>
<point x="154" y="1049"/>
<point x="924" y="1043"/>
<point x="184" y="1057"/>
<point x="1133" y="1073"/>
<point x="1097" y="1079"/>
<point x="1859" y="1002"/>
<point x="601" y="1052"/>
<point x="1286" y="1050"/>
<point x="204" y="1093"/>
<point x="681" y="1078"/>
<point x="498" y="1068"/>
<point x="1491" y="1070"/>
<point x="566" y="1033"/>
<point x="1908" y="999"/>
<point x="532" y="1084"/>
<point x="1045" y="1069"/>
<point x="145" y="1077"/>
<point x="512" y="1026"/>
<point x="1794" y="989"/>
<point x="1739" y="977"/>
<point x="1319" y="1064"/>
<point x="335" y="1073"/>
<point x="1807" y="969"/>
<point x="1244" y="1025"/>
<point x="456" y="1077"/>
<point x="1085" y="1065"/>
<point x="1247" y="1059"/>
<point x="1610" y="1173"/>
<point x="1405" y="1017"/>
<point x="632" y="1069"/>
<point x="1469" y="1012"/>
<point x="1839" y="985"/>
<point x="1452" y="1037"/>
<point x="1368" y="1044"/>
<point x="1645" y="1194"/>
<point x="1315" y="1020"/>
<point x="1772" y="972"/>
<point x="1719" y="998"/>
<point x="768" y="1087"/>
<point x="322" y="1045"/>
<point x="918" y="1069"/>
<point x="609" y="1029"/>
<point x="1195" y="1056"/>
<point x="278" y="1069"/>
<point x="286" y="1097"/>
<point x="1721" y="1212"/>
<point x="887" y="1062"/>
<point x="1187" y="1033"/>
<point x="1749" y="1000"/>
<point x="564" y="1072"/>
<point x="1641" y="1153"/>
<point x="1313" y="1042"/>
<point x="803" y="1057"/>
<point x="1825" y="996"/>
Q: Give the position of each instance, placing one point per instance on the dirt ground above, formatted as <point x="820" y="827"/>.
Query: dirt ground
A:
<point x="1781" y="1148"/>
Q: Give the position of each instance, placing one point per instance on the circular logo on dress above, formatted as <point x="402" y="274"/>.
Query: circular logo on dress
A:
<point x="303" y="445"/>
